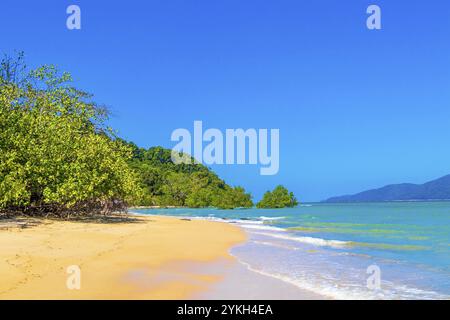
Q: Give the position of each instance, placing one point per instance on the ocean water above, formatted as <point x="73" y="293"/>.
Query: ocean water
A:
<point x="331" y="249"/>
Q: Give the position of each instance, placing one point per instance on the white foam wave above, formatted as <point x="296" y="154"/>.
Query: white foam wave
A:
<point x="342" y="292"/>
<point x="261" y="227"/>
<point x="272" y="244"/>
<point x="307" y="240"/>
<point x="241" y="221"/>
<point x="263" y="218"/>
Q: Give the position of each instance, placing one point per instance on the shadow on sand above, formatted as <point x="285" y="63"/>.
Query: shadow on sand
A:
<point x="24" y="222"/>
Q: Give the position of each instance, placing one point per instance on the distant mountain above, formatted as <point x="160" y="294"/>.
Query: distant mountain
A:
<point x="438" y="189"/>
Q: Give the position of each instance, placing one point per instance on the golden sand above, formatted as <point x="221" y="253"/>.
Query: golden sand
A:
<point x="142" y="258"/>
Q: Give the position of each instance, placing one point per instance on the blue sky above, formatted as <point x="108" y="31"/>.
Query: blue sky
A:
<point x="356" y="108"/>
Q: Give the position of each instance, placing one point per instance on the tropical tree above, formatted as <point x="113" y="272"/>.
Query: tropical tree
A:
<point x="57" y="155"/>
<point x="280" y="197"/>
<point x="233" y="198"/>
<point x="193" y="185"/>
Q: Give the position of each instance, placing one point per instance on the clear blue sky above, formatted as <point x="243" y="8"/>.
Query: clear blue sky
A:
<point x="356" y="108"/>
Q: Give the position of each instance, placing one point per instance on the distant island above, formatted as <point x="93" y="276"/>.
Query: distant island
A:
<point x="438" y="189"/>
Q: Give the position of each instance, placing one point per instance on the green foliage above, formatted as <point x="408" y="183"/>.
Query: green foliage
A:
<point x="58" y="157"/>
<point x="233" y="198"/>
<point x="280" y="197"/>
<point x="56" y="154"/>
<point x="193" y="185"/>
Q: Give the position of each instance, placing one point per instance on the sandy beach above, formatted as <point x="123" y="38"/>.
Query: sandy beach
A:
<point x="140" y="258"/>
<point x="130" y="257"/>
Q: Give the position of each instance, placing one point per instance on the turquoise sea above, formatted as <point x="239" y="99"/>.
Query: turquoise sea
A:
<point x="328" y="248"/>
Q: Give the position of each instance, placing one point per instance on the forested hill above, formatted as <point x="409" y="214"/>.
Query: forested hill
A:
<point x="165" y="183"/>
<point x="438" y="189"/>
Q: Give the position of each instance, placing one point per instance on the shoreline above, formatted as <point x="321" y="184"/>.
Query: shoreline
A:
<point x="142" y="258"/>
<point x="240" y="281"/>
<point x="334" y="265"/>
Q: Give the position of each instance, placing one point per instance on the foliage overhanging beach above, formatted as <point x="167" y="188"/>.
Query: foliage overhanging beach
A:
<point x="60" y="158"/>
